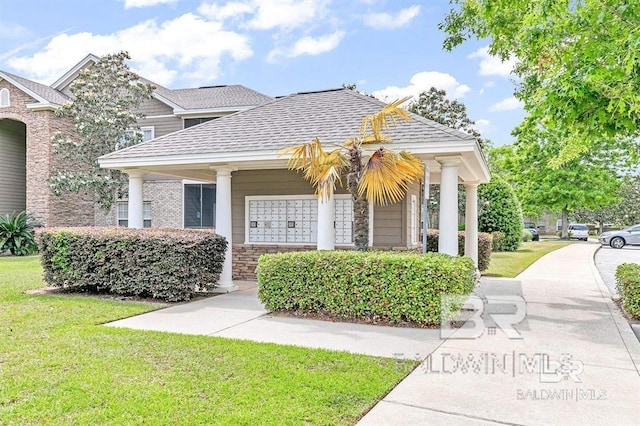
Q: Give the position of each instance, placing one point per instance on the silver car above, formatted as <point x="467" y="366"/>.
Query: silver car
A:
<point x="618" y="239"/>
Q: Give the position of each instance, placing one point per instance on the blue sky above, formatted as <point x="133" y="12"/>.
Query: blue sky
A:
<point x="388" y="48"/>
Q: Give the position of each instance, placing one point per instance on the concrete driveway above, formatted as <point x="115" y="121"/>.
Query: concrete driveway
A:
<point x="607" y="260"/>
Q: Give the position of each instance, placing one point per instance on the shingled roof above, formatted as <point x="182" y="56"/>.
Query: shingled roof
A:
<point x="331" y="115"/>
<point x="47" y="93"/>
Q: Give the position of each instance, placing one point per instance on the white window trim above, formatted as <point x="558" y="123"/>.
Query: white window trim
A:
<point x="194" y="182"/>
<point x="152" y="128"/>
<point x="249" y="198"/>
<point x="413" y="218"/>
<point x="149" y="203"/>
<point x="3" y="91"/>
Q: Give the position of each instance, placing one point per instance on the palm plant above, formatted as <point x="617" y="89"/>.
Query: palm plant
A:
<point x="383" y="178"/>
<point x="16" y="234"/>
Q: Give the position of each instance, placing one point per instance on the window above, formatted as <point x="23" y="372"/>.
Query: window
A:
<point x="414" y="220"/>
<point x="122" y="209"/>
<point x="4" y="98"/>
<point x="147" y="134"/>
<point x="189" y="122"/>
<point x="294" y="219"/>
<point x="199" y="205"/>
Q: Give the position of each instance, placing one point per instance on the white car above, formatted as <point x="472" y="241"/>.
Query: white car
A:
<point x="578" y="231"/>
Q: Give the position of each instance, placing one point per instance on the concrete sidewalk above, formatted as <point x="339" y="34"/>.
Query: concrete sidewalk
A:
<point x="576" y="363"/>
<point x="240" y="315"/>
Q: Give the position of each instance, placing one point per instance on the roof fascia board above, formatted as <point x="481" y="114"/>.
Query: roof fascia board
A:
<point x="25" y="89"/>
<point x="205" y="111"/>
<point x="264" y="155"/>
<point x="71" y="74"/>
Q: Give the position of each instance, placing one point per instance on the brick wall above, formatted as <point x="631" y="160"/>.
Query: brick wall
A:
<point x="245" y="257"/>
<point x="70" y="209"/>
<point x="166" y="205"/>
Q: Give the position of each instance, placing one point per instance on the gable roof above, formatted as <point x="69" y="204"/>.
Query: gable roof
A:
<point x="216" y="97"/>
<point x="40" y="92"/>
<point x="331" y="115"/>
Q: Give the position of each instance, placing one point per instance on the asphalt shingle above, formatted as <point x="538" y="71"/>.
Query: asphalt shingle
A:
<point x="49" y="94"/>
<point x="331" y="115"/>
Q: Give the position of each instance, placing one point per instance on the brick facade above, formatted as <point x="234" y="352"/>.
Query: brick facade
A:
<point x="68" y="209"/>
<point x="166" y="205"/>
<point x="245" y="257"/>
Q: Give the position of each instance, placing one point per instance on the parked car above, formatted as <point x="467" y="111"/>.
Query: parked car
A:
<point x="618" y="239"/>
<point x="579" y="231"/>
<point x="534" y="233"/>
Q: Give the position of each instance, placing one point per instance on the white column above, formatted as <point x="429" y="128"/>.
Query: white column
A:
<point x="135" y="217"/>
<point x="326" y="222"/>
<point x="448" y="231"/>
<point x="224" y="228"/>
<point x="425" y="204"/>
<point x="471" y="222"/>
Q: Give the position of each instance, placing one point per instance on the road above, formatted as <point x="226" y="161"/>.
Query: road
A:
<point x="607" y="260"/>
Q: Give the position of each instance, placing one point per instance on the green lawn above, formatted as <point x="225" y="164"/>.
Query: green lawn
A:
<point x="510" y="264"/>
<point x="59" y="366"/>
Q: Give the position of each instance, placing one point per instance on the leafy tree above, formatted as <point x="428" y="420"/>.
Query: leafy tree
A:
<point x="577" y="64"/>
<point x="105" y="98"/>
<point x="586" y="182"/>
<point x="499" y="212"/>
<point x="383" y="179"/>
<point x="434" y="105"/>
<point x="625" y="212"/>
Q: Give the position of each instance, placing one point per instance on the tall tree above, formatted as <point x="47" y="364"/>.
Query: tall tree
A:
<point x="586" y="182"/>
<point x="576" y="61"/>
<point x="383" y="178"/>
<point x="106" y="96"/>
<point x="625" y="212"/>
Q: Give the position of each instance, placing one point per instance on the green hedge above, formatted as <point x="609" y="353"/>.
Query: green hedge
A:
<point x="628" y="284"/>
<point x="499" y="211"/>
<point x="167" y="264"/>
<point x="394" y="287"/>
<point x="484" y="246"/>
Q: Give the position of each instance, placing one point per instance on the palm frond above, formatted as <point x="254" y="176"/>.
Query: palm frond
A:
<point x="387" y="175"/>
<point x="321" y="168"/>
<point x="373" y="125"/>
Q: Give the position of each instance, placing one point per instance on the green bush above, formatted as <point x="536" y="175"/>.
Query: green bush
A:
<point x="497" y="241"/>
<point x="167" y="264"/>
<point x="484" y="246"/>
<point x="499" y="211"/>
<point x="527" y="236"/>
<point x="628" y="284"/>
<point x="373" y="286"/>
<point x="16" y="234"/>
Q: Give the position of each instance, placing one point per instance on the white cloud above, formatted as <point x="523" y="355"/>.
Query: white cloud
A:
<point x="130" y="4"/>
<point x="386" y="20"/>
<point x="492" y="65"/>
<point x="10" y="30"/>
<point x="483" y="126"/>
<point x="188" y="45"/>
<point x="309" y="46"/>
<point x="508" y="104"/>
<point x="268" y="14"/>
<point x="421" y="82"/>
<point x="228" y="10"/>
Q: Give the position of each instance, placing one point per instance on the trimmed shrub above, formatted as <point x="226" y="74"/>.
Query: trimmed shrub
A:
<point x="527" y="236"/>
<point x="166" y="264"/>
<point x="484" y="246"/>
<point x="373" y="286"/>
<point x="16" y="234"/>
<point x="497" y="242"/>
<point x="499" y="211"/>
<point x="628" y="284"/>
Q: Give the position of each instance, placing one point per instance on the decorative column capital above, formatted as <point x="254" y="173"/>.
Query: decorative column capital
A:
<point x="449" y="160"/>
<point x="471" y="184"/>
<point x="223" y="170"/>
<point x="134" y="173"/>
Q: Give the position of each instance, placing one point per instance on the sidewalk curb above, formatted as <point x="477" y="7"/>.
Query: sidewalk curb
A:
<point x="629" y="338"/>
